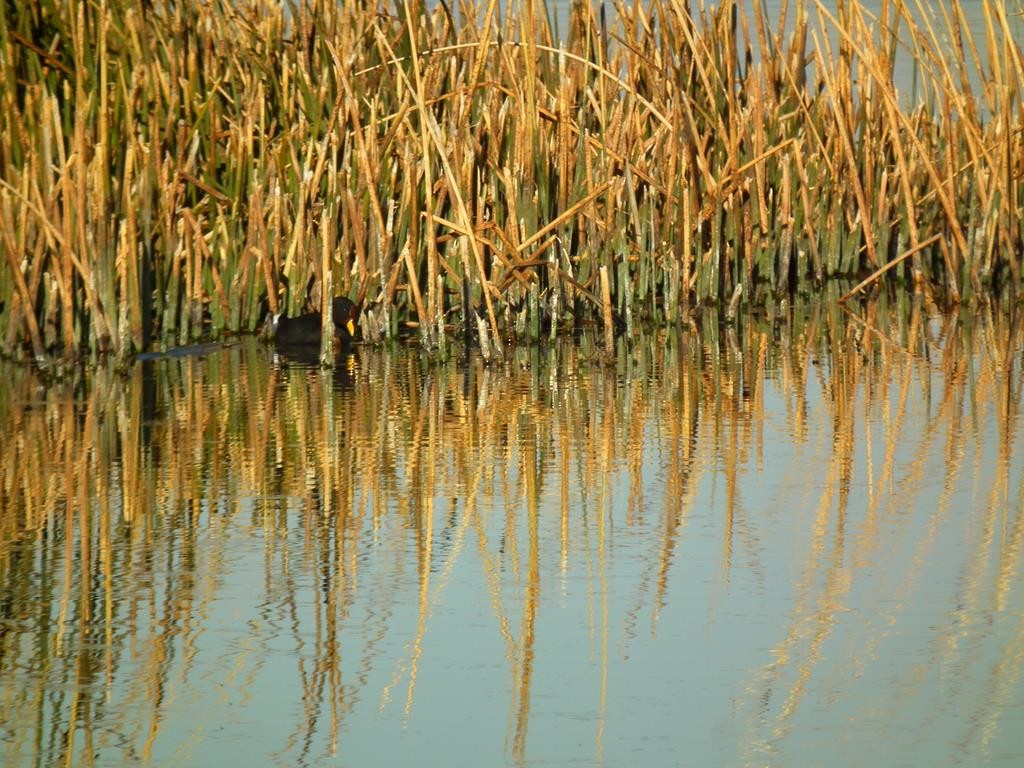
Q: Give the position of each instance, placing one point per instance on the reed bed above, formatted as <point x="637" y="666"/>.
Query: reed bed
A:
<point x="121" y="498"/>
<point x="171" y="171"/>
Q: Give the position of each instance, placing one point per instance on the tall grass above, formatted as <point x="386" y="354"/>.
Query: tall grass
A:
<point x="170" y="171"/>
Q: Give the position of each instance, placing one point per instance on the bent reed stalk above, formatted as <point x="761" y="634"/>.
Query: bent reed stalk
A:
<point x="171" y="171"/>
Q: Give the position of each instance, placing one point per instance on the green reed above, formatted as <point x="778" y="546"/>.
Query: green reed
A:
<point x="175" y="171"/>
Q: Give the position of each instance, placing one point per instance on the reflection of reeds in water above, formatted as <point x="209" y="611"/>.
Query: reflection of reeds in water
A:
<point x="121" y="497"/>
<point x="981" y="389"/>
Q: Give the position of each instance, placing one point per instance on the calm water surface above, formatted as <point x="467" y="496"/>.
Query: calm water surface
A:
<point x="788" y="544"/>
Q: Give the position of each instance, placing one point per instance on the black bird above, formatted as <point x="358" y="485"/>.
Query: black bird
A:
<point x="305" y="329"/>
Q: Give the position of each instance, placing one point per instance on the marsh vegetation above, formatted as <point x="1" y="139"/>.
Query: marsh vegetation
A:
<point x="170" y="171"/>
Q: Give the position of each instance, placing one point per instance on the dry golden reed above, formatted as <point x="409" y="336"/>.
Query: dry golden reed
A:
<point x="171" y="171"/>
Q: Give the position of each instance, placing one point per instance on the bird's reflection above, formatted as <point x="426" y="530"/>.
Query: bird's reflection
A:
<point x="308" y="356"/>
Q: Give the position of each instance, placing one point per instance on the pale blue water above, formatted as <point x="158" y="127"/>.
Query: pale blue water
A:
<point x="802" y="555"/>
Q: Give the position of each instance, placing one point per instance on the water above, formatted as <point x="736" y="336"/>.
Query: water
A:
<point x="788" y="544"/>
